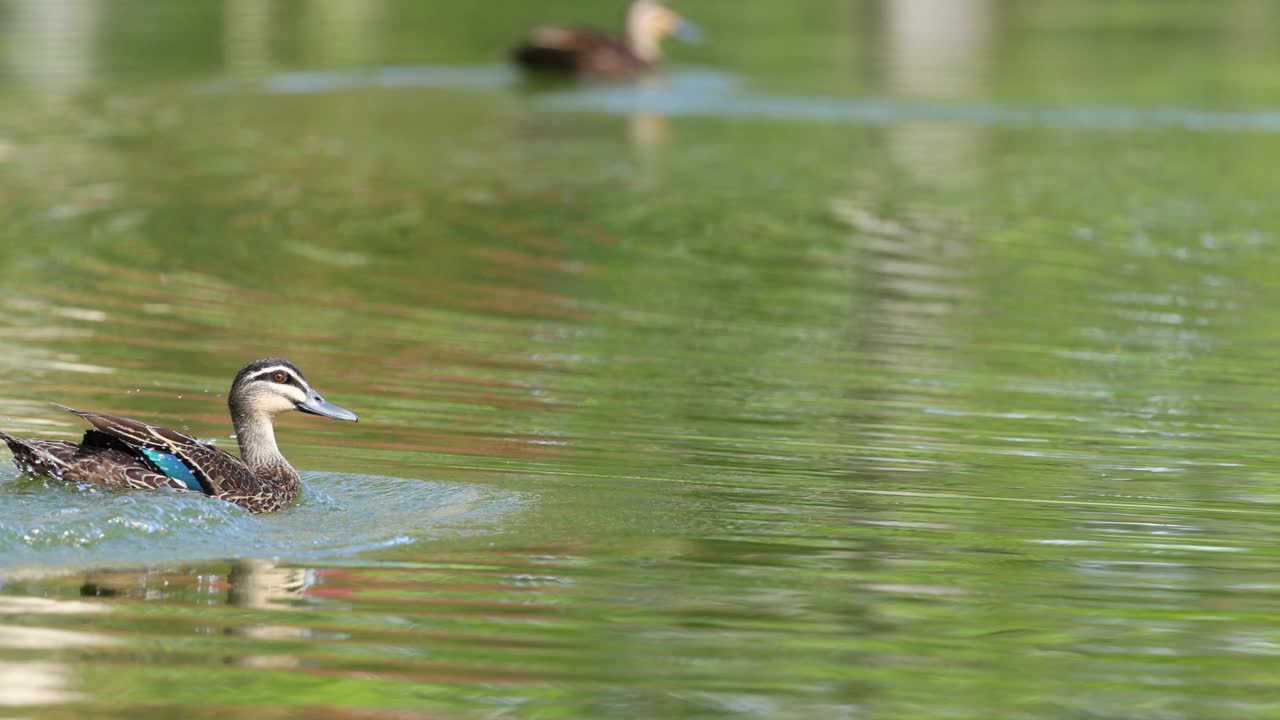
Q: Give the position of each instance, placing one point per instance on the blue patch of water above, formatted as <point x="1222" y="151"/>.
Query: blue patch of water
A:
<point x="708" y="92"/>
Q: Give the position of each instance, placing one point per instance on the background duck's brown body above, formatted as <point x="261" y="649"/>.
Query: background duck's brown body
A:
<point x="586" y="53"/>
<point x="580" y="52"/>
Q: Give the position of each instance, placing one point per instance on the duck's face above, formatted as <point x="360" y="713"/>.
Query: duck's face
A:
<point x="274" y="386"/>
<point x="659" y="21"/>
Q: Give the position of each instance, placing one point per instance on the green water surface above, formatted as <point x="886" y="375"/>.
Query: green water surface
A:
<point x="902" y="359"/>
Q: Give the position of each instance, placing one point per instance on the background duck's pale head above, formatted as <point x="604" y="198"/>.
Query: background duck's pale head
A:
<point x="274" y="385"/>
<point x="651" y="21"/>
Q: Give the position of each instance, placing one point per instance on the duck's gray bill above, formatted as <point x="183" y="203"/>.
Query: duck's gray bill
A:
<point x="687" y="32"/>
<point x="316" y="405"/>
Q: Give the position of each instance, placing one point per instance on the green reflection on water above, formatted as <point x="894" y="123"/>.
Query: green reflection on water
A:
<point x="810" y="419"/>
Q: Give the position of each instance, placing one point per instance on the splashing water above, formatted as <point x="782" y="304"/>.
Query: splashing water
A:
<point x="48" y="523"/>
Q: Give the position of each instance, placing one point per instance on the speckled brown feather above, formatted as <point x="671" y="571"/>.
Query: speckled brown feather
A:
<point x="134" y="434"/>
<point x="271" y="489"/>
<point x="220" y="473"/>
<point x="95" y="461"/>
<point x="109" y="457"/>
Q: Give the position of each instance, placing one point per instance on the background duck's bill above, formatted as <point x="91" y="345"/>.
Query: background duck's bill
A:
<point x="687" y="32"/>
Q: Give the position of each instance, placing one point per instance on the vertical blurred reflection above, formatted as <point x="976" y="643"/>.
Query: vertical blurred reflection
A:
<point x="35" y="683"/>
<point x="648" y="133"/>
<point x="249" y="583"/>
<point x="917" y="279"/>
<point x="343" y="32"/>
<point x="41" y="678"/>
<point x="50" y="44"/>
<point x="937" y="49"/>
<point x="1249" y="27"/>
<point x="263" y="585"/>
<point x="247" y="39"/>
<point x="916" y="263"/>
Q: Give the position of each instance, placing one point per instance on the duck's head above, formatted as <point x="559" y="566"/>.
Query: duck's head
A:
<point x="274" y="385"/>
<point x="649" y="22"/>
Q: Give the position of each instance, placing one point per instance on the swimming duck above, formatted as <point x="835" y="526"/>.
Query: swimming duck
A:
<point x="123" y="453"/>
<point x="581" y="52"/>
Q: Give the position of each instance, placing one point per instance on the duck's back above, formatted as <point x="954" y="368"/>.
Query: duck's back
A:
<point x="124" y="453"/>
<point x="98" y="459"/>
<point x="578" y="52"/>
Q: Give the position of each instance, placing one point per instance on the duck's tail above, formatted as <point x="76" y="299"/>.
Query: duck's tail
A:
<point x="15" y="444"/>
<point x="30" y="458"/>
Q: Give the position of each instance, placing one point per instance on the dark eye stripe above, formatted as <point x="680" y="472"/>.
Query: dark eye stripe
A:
<point x="269" y="376"/>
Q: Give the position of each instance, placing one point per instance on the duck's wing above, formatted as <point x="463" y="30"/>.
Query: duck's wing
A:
<point x="136" y="434"/>
<point x="198" y="465"/>
<point x="553" y="48"/>
<point x="99" y="460"/>
<point x="570" y="39"/>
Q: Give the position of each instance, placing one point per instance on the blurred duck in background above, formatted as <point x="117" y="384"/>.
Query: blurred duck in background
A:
<point x="586" y="53"/>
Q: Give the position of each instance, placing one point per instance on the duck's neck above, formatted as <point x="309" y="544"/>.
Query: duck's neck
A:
<point x="641" y="40"/>
<point x="256" y="434"/>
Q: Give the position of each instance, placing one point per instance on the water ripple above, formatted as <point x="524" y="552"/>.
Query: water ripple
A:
<point x="708" y="92"/>
<point x="49" y="523"/>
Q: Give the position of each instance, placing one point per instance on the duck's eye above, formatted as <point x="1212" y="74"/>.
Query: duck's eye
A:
<point x="279" y="377"/>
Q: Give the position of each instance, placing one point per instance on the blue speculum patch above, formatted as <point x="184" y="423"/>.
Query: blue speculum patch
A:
<point x="173" y="467"/>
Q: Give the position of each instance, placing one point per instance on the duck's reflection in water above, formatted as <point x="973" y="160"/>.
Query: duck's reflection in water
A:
<point x="263" y="585"/>
<point x="250" y="584"/>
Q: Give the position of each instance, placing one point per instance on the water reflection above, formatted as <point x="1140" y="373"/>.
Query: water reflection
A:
<point x="650" y="134"/>
<point x="937" y="49"/>
<point x="53" y="44"/>
<point x="251" y="584"/>
<point x="646" y="128"/>
<point x="861" y="402"/>
<point x="421" y="621"/>
<point x="1248" y="24"/>
<point x="43" y="682"/>
<point x="36" y="683"/>
<point x="247" y="37"/>
<point x="342" y="33"/>
<point x="913" y="263"/>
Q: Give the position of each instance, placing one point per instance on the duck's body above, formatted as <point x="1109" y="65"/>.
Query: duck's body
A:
<point x="130" y="455"/>
<point x="580" y="52"/>
<point x="588" y="53"/>
<point x="127" y="454"/>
